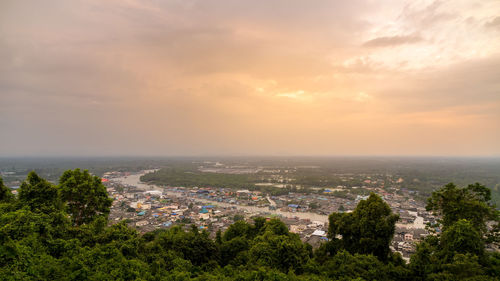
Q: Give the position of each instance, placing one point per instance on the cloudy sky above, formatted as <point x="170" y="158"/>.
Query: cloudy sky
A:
<point x="228" y="77"/>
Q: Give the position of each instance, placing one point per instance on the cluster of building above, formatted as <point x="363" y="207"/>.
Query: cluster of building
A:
<point x="150" y="210"/>
<point x="149" y="207"/>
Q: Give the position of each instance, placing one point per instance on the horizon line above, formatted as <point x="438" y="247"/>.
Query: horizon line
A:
<point x="249" y="156"/>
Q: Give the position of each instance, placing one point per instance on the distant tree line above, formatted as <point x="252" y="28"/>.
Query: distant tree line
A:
<point x="181" y="176"/>
<point x="50" y="232"/>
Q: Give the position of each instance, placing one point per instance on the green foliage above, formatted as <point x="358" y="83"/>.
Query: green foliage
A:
<point x="40" y="240"/>
<point x="424" y="262"/>
<point x="277" y="248"/>
<point x="235" y="251"/>
<point x="238" y="217"/>
<point x="85" y="196"/>
<point x="313" y="205"/>
<point x="459" y="252"/>
<point x="462" y="237"/>
<point x="238" y="229"/>
<point x="367" y="230"/>
<point x="190" y="177"/>
<point x="5" y="193"/>
<point x="264" y="244"/>
<point x="194" y="246"/>
<point x="471" y="203"/>
<point x="462" y="267"/>
<point x="38" y="194"/>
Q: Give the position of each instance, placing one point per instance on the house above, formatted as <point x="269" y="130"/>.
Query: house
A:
<point x="146" y="206"/>
<point x="154" y="193"/>
<point x="297" y="228"/>
<point x="319" y="232"/>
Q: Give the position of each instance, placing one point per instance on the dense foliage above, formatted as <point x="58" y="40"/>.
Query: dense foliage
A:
<point x="367" y="230"/>
<point x="42" y="237"/>
<point x="85" y="196"/>
<point x="471" y="203"/>
<point x="190" y="176"/>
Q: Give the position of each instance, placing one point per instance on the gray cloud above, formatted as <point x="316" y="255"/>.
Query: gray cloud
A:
<point x="494" y="23"/>
<point x="188" y="77"/>
<point x="472" y="87"/>
<point x="389" y="41"/>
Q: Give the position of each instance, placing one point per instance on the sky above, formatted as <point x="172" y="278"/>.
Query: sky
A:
<point x="229" y="77"/>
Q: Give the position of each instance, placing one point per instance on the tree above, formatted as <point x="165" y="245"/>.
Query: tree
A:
<point x="234" y="251"/>
<point x="38" y="194"/>
<point x="462" y="238"/>
<point x="218" y="237"/>
<point x="458" y="253"/>
<point x="238" y="217"/>
<point x="471" y="203"/>
<point x="440" y="256"/>
<point x="85" y="196"/>
<point x="193" y="245"/>
<point x="313" y="205"/>
<point x="259" y="224"/>
<point x="462" y="267"/>
<point x="238" y="229"/>
<point x="276" y="247"/>
<point x="367" y="230"/>
<point x="348" y="266"/>
<point x="423" y="261"/>
<point x="5" y="194"/>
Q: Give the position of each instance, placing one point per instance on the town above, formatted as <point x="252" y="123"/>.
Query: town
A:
<point x="148" y="206"/>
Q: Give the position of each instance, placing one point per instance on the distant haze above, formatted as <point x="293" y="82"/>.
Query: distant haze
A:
<point x="226" y="77"/>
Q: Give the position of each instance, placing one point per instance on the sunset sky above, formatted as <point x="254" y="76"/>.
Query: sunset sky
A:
<point x="182" y="77"/>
